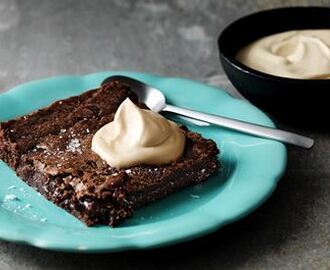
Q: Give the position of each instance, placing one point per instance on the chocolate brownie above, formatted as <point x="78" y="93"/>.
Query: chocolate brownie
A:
<point x="50" y="150"/>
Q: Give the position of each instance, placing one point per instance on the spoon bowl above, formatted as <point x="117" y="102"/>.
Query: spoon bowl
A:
<point x="150" y="96"/>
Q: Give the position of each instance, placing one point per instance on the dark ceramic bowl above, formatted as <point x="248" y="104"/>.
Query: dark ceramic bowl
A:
<point x="300" y="100"/>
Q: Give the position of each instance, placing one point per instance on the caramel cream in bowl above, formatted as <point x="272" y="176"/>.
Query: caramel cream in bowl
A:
<point x="137" y="136"/>
<point x="301" y="54"/>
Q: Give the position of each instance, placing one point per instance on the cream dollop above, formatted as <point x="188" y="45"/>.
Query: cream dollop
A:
<point x="137" y="136"/>
<point x="301" y="54"/>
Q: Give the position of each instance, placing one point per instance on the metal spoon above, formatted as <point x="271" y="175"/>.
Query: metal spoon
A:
<point x="156" y="101"/>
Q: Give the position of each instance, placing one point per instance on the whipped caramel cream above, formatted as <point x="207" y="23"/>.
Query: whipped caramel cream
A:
<point x="301" y="54"/>
<point x="137" y="136"/>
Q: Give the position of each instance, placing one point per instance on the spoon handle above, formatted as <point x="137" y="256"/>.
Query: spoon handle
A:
<point x="245" y="127"/>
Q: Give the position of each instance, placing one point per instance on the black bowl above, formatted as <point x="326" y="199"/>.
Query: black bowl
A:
<point x="300" y="100"/>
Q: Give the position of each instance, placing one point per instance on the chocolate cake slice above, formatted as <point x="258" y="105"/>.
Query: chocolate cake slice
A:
<point x="50" y="150"/>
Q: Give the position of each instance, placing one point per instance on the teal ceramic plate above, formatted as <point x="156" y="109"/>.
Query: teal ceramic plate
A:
<point x="251" y="168"/>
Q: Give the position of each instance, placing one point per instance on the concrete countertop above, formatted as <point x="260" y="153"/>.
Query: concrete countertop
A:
<point x="175" y="38"/>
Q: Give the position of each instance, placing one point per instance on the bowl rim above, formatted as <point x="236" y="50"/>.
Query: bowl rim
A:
<point x="256" y="73"/>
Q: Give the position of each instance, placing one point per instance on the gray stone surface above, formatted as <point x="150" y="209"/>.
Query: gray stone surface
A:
<point x="41" y="38"/>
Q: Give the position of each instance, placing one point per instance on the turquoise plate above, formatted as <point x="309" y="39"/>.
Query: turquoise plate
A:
<point x="251" y="169"/>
